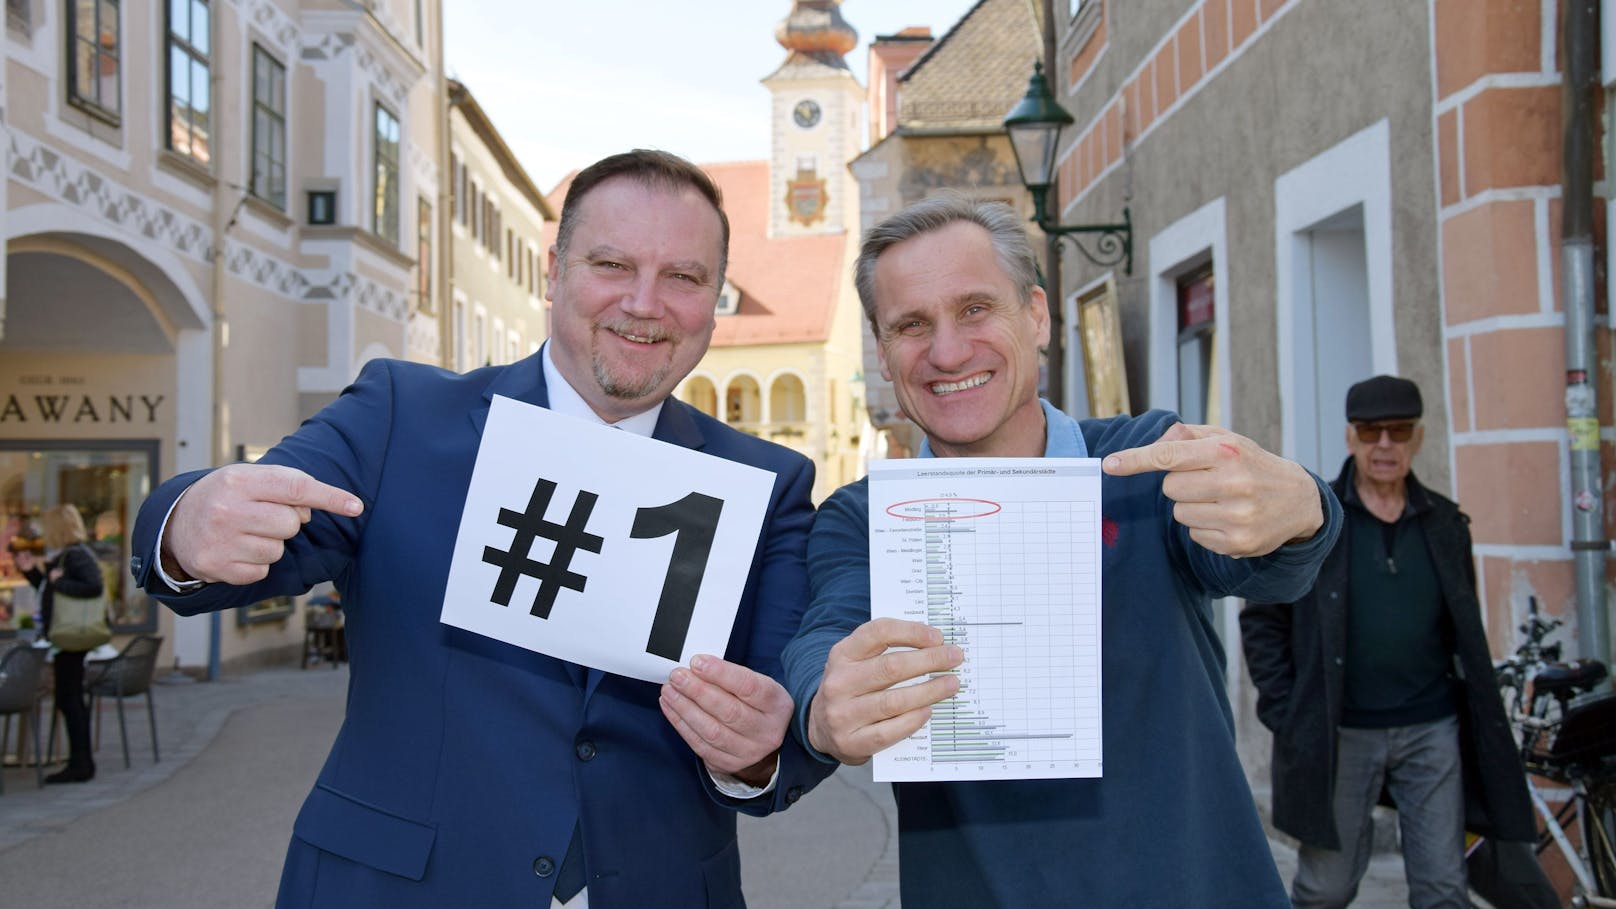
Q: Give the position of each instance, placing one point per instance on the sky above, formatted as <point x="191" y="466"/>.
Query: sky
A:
<point x="568" y="82"/>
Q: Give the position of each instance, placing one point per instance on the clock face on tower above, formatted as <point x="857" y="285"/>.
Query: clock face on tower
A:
<point x="806" y="113"/>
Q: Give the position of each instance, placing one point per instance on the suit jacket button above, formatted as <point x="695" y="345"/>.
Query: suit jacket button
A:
<point x="1339" y="661"/>
<point x="585" y="750"/>
<point x="792" y="794"/>
<point x="134" y="565"/>
<point x="544" y="866"/>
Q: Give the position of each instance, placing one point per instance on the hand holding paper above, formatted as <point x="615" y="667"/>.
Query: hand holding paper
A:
<point x="857" y="711"/>
<point x="1236" y="498"/>
<point x="732" y="717"/>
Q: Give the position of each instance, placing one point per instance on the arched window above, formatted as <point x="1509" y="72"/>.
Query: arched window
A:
<point x="700" y="394"/>
<point x="788" y="402"/>
<point x="743" y="403"/>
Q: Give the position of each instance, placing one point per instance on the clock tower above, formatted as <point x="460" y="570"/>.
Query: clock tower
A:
<point x="818" y="107"/>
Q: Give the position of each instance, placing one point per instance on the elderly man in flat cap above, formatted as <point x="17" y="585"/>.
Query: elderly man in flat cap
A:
<point x="1379" y="681"/>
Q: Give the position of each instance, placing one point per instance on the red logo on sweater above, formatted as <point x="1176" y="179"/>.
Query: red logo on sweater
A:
<point x="1109" y="531"/>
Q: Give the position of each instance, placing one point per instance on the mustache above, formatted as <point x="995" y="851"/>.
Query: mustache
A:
<point x="638" y="329"/>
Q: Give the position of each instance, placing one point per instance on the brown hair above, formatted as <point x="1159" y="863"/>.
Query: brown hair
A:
<point x="650" y="168"/>
<point x="63" y="527"/>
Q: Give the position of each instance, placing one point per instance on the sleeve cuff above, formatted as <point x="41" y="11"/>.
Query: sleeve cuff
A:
<point x="157" y="557"/>
<point x="735" y="789"/>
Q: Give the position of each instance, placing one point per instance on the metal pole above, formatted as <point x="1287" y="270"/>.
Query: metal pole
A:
<point x="1588" y="545"/>
<point x="223" y="215"/>
<point x="1056" y="392"/>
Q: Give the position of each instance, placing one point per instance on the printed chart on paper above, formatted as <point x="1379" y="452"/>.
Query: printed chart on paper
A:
<point x="1003" y="556"/>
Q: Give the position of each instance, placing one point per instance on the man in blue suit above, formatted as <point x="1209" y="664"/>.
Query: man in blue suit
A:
<point x="469" y="772"/>
<point x="950" y="288"/>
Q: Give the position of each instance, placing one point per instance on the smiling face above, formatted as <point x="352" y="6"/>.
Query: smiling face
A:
<point x="634" y="294"/>
<point x="1383" y="461"/>
<point x="959" y="345"/>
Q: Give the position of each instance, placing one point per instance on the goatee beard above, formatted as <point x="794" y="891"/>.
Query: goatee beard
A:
<point x="629" y="391"/>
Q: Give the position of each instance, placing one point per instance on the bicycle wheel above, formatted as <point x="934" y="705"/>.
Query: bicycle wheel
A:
<point x="1599" y="832"/>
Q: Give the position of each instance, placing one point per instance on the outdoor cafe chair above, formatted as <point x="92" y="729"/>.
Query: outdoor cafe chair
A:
<point x="127" y="675"/>
<point x="20" y="671"/>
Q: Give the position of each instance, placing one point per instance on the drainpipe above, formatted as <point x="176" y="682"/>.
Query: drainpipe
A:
<point x="223" y="217"/>
<point x="1589" y="547"/>
<point x="442" y="263"/>
<point x="1056" y="354"/>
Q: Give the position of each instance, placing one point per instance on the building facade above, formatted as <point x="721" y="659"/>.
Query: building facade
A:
<point x="786" y="361"/>
<point x="214" y="213"/>
<point x="497" y="313"/>
<point x="1321" y="192"/>
<point x="936" y="116"/>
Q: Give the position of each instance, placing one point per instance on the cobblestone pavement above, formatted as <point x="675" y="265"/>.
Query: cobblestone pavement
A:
<point x="207" y="825"/>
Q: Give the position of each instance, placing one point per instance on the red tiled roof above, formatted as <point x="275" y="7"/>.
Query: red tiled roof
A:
<point x="788" y="285"/>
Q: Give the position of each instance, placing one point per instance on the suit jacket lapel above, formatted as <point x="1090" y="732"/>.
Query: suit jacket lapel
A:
<point x="522" y="380"/>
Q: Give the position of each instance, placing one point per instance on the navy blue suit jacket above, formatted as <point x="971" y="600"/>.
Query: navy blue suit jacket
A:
<point x="464" y="763"/>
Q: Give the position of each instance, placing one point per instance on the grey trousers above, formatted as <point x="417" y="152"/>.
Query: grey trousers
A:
<point x="1419" y="766"/>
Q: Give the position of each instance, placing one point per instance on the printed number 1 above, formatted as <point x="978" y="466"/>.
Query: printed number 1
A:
<point x="694" y="521"/>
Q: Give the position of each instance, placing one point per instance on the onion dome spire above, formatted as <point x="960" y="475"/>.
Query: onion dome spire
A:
<point x="815" y="30"/>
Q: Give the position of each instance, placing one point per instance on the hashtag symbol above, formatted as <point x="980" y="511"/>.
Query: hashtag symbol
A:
<point x="531" y="524"/>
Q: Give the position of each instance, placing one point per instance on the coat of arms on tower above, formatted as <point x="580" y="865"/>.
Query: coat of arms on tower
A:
<point x="806" y="197"/>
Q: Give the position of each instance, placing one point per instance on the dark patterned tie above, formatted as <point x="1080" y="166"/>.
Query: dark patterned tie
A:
<point x="572" y="876"/>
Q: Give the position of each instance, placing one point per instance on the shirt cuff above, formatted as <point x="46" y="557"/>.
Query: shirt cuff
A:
<point x="736" y="789"/>
<point x="157" y="556"/>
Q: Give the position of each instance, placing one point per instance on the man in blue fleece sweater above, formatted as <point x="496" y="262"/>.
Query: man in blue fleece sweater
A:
<point x="1190" y="513"/>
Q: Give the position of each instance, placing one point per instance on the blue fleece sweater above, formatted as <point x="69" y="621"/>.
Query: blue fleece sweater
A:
<point x="1171" y="822"/>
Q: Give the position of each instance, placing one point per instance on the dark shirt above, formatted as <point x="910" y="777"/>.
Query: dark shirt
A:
<point x="1399" y="663"/>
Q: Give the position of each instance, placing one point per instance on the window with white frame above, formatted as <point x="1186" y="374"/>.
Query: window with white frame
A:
<point x="423" y="253"/>
<point x="457" y="335"/>
<point x="190" y="108"/>
<point x="269" y="129"/>
<point x="384" y="209"/>
<point x="20" y="16"/>
<point x="729" y="299"/>
<point x="94" y="74"/>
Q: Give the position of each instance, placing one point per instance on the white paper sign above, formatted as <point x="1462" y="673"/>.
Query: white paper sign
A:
<point x="1003" y="556"/>
<point x="602" y="547"/>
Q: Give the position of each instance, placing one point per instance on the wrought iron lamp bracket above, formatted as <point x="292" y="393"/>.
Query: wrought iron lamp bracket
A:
<point x="1112" y="243"/>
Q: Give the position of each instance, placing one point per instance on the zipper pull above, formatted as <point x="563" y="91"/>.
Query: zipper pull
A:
<point x="1391" y="564"/>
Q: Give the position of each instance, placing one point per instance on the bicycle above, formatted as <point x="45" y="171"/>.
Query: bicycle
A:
<point x="1567" y="734"/>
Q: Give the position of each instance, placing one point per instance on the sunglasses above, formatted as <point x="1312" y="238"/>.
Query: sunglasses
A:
<point x="1369" y="433"/>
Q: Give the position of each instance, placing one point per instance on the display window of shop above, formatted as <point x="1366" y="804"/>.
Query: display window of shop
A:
<point x="106" y="481"/>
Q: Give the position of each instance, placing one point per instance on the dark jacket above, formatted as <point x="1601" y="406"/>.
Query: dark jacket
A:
<point x="1171" y="822"/>
<point x="1296" y="655"/>
<point x="81" y="577"/>
<point x="465" y="763"/>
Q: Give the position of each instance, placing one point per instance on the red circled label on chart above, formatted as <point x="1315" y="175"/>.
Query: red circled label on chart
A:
<point x="943" y="509"/>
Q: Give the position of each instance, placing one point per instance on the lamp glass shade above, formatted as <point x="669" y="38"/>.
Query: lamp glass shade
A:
<point x="1035" y="145"/>
<point x="1034" y="125"/>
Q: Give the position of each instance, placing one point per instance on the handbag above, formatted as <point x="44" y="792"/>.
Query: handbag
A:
<point x="79" y="624"/>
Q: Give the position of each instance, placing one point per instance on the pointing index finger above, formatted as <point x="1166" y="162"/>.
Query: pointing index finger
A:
<point x="1181" y="447"/>
<point x="293" y="487"/>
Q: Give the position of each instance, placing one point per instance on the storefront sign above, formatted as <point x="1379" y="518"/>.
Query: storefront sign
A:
<point x="58" y="400"/>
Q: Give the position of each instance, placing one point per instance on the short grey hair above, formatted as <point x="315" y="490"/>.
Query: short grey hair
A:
<point x="1001" y="222"/>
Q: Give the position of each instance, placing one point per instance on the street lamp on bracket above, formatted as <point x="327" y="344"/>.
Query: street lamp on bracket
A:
<point x="1035" y="124"/>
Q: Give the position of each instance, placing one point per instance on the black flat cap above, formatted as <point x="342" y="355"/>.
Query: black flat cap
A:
<point x="1383" y="398"/>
